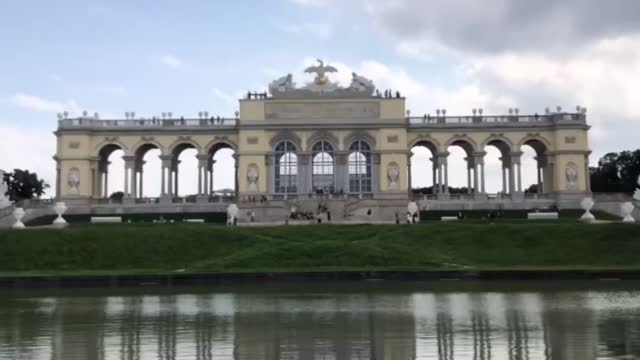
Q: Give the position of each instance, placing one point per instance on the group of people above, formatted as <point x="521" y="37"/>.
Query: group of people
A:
<point x="389" y="94"/>
<point x="254" y="199"/>
<point x="256" y="95"/>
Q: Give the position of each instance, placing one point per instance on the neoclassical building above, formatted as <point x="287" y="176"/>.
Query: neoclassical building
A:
<point x="351" y="142"/>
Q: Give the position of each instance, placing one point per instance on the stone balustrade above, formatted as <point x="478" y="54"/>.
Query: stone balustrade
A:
<point x="497" y="121"/>
<point x="137" y="124"/>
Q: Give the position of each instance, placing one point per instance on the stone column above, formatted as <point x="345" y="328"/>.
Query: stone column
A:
<point x="236" y="184"/>
<point x="141" y="186"/>
<point x="484" y="191"/>
<point x="304" y="181"/>
<point x="129" y="184"/>
<point x="342" y="172"/>
<point x="434" y="181"/>
<point x="58" y="183"/>
<point x="440" y="166"/>
<point x="375" y="171"/>
<point x="515" y="176"/>
<point x="166" y="176"/>
<point x="469" y="190"/>
<point x="446" y="177"/>
<point x="504" y="178"/>
<point x="210" y="167"/>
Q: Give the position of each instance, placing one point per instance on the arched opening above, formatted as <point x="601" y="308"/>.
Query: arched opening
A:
<point x="424" y="166"/>
<point x="359" y="164"/>
<point x="534" y="167"/>
<point x="460" y="167"/>
<point x="111" y="182"/>
<point x="183" y="178"/>
<point x="500" y="168"/>
<point x="148" y="170"/>
<point x="286" y="168"/>
<point x="220" y="175"/>
<point x="323" y="167"/>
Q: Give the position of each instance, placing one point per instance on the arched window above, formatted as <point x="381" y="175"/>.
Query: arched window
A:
<point x="322" y="156"/>
<point x="286" y="167"/>
<point x="360" y="167"/>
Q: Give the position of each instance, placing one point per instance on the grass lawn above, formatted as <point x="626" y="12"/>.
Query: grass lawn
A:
<point x="165" y="248"/>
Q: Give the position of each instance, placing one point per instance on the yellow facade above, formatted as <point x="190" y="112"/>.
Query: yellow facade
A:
<point x="561" y="141"/>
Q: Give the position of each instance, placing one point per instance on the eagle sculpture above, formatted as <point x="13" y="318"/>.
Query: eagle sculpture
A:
<point x="320" y="71"/>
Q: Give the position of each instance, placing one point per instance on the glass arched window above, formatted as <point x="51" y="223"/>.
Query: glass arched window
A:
<point x="360" y="167"/>
<point x="322" y="156"/>
<point x="286" y="167"/>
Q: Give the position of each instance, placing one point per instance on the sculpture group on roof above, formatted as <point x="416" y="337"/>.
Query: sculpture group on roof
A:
<point x="321" y="85"/>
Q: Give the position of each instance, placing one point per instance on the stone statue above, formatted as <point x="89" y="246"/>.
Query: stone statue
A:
<point x="4" y="199"/>
<point x="282" y="84"/>
<point x="361" y="84"/>
<point x="572" y="176"/>
<point x="73" y="180"/>
<point x="252" y="178"/>
<point x="413" y="212"/>
<point x="587" y="205"/>
<point x="636" y="195"/>
<point x="626" y="209"/>
<point x="394" y="174"/>
<point x="232" y="215"/>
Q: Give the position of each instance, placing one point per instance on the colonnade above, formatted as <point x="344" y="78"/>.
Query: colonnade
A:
<point x="476" y="178"/>
<point x="169" y="177"/>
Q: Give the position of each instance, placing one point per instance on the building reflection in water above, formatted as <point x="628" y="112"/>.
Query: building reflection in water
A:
<point x="323" y="325"/>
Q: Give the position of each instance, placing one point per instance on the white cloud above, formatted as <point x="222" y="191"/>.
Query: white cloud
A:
<point x="113" y="90"/>
<point x="316" y="3"/>
<point x="55" y="77"/>
<point x="172" y="61"/>
<point x="316" y="29"/>
<point x="36" y="103"/>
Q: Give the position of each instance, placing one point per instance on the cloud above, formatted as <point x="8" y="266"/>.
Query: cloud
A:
<point x="498" y="25"/>
<point x="36" y="103"/>
<point x="55" y="77"/>
<point x="172" y="61"/>
<point x="113" y="90"/>
<point x="319" y="30"/>
<point x="315" y="3"/>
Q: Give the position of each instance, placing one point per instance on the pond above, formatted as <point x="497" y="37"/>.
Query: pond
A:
<point x="364" y="320"/>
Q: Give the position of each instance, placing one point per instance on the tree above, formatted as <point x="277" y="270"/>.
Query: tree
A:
<point x="117" y="196"/>
<point x="23" y="185"/>
<point x="616" y="172"/>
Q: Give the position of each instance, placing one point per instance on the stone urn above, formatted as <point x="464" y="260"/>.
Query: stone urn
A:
<point x="627" y="209"/>
<point x="587" y="205"/>
<point x="60" y="208"/>
<point x="18" y="214"/>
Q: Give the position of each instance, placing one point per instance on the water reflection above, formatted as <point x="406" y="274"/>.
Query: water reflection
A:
<point x="312" y="324"/>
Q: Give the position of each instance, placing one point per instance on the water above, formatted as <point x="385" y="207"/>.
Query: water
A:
<point x="378" y="320"/>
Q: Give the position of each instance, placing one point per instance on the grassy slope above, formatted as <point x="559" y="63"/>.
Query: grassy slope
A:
<point x="142" y="248"/>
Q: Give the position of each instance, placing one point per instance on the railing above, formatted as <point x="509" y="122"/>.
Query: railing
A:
<point x="500" y="120"/>
<point x="93" y="124"/>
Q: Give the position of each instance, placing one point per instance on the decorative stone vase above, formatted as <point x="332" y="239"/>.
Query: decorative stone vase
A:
<point x="18" y="214"/>
<point x="587" y="205"/>
<point x="60" y="208"/>
<point x="627" y="209"/>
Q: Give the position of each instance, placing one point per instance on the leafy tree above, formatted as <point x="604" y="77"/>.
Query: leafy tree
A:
<point x="616" y="172"/>
<point x="117" y="196"/>
<point x="23" y="185"/>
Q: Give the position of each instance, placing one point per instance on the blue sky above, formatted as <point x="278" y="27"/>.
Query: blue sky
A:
<point x="188" y="56"/>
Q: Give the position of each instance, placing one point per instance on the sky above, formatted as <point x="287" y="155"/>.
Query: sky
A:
<point x="189" y="56"/>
